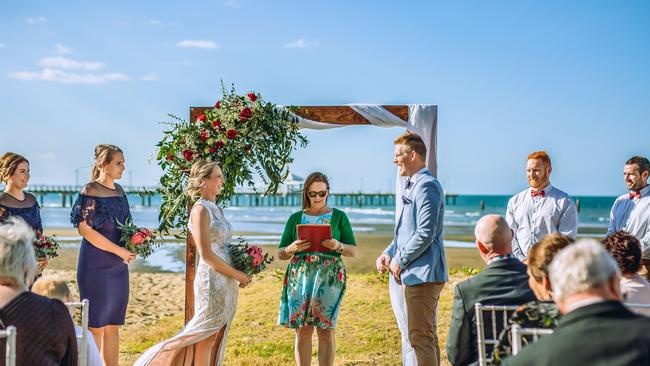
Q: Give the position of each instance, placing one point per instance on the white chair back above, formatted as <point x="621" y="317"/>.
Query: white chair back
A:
<point x="10" y="351"/>
<point x="497" y="319"/>
<point x="642" y="309"/>
<point x="518" y="333"/>
<point x="82" y="339"/>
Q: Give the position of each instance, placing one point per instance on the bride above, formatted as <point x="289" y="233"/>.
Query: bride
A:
<point x="202" y="341"/>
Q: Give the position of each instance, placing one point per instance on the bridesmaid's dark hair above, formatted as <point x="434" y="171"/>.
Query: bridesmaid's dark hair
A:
<point x="312" y="178"/>
<point x="103" y="155"/>
<point x="8" y="164"/>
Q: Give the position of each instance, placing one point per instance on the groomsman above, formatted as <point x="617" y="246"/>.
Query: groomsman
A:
<point x="539" y="210"/>
<point x="631" y="211"/>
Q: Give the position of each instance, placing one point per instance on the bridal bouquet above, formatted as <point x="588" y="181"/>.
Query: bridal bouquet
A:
<point x="138" y="240"/>
<point x="46" y="247"/>
<point x="249" y="258"/>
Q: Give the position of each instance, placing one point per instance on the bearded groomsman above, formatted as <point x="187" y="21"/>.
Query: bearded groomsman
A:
<point x="539" y="210"/>
<point x="631" y="211"/>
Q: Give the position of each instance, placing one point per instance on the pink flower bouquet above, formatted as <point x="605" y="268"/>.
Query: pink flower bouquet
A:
<point x="46" y="247"/>
<point x="248" y="258"/>
<point x="138" y="240"/>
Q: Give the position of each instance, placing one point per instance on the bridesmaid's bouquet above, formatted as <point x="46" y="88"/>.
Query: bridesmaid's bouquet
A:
<point x="46" y="246"/>
<point x="249" y="258"/>
<point x="138" y="240"/>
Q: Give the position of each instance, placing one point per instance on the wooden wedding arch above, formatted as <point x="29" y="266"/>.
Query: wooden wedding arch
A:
<point x="342" y="115"/>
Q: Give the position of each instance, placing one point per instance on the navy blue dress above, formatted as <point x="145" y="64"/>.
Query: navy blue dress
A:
<point x="103" y="277"/>
<point x="28" y="209"/>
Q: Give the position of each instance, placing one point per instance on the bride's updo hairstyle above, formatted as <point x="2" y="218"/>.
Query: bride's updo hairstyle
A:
<point x="201" y="169"/>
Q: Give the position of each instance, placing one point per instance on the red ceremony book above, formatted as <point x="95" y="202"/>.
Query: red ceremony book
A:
<point x="315" y="233"/>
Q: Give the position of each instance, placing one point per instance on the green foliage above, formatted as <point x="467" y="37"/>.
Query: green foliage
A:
<point x="244" y="134"/>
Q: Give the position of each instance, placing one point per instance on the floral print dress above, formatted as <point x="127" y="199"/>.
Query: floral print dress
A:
<point x="315" y="283"/>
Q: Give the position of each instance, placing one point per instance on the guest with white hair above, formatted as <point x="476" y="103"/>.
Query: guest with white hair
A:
<point x="596" y="328"/>
<point x="44" y="330"/>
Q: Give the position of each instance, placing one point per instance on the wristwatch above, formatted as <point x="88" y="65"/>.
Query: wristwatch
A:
<point x="339" y="250"/>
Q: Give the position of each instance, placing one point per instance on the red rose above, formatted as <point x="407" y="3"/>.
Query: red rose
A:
<point x="231" y="134"/>
<point x="216" y="124"/>
<point x="219" y="144"/>
<point x="170" y="157"/>
<point x="213" y="149"/>
<point x="217" y="104"/>
<point x="340" y="276"/>
<point x="245" y="114"/>
<point x="201" y="117"/>
<point x="138" y="238"/>
<point x="187" y="154"/>
<point x="252" y="97"/>
<point x="204" y="135"/>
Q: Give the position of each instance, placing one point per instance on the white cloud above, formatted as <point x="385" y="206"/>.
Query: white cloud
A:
<point x="149" y="77"/>
<point x="301" y="43"/>
<point x="66" y="63"/>
<point x="36" y="20"/>
<point x="60" y="76"/>
<point x="232" y="4"/>
<point x="62" y="49"/>
<point x="161" y="23"/>
<point x="188" y="43"/>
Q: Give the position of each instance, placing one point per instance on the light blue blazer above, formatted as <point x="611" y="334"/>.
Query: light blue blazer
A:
<point x="417" y="245"/>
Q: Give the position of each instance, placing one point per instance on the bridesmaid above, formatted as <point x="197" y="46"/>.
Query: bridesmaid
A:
<point x="102" y="271"/>
<point x="14" y="201"/>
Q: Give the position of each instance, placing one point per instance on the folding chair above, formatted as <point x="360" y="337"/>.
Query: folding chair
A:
<point x="82" y="339"/>
<point x="518" y="333"/>
<point x="497" y="319"/>
<point x="10" y="352"/>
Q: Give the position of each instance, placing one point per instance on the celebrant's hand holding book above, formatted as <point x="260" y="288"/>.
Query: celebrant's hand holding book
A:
<point x="317" y="234"/>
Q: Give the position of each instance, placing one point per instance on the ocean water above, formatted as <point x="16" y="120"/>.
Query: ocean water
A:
<point x="269" y="222"/>
<point x="460" y="216"/>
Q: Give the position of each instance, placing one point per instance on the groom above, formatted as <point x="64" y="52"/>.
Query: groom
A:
<point x="416" y="257"/>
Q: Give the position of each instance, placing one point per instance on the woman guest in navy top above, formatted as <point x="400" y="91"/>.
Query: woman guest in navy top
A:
<point x="102" y="271"/>
<point x="14" y="201"/>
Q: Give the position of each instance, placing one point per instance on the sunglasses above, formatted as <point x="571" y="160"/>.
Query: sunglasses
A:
<point x="313" y="194"/>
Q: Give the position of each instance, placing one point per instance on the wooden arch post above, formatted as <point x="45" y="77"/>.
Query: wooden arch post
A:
<point x="341" y="115"/>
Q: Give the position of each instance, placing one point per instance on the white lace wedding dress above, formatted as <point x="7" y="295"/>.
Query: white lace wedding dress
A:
<point x="215" y="301"/>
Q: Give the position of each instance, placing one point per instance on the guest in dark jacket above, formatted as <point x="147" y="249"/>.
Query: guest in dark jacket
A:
<point x="44" y="330"/>
<point x="596" y="328"/>
<point x="503" y="282"/>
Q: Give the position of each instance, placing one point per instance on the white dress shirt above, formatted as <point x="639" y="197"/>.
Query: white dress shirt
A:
<point x="633" y="216"/>
<point x="532" y="218"/>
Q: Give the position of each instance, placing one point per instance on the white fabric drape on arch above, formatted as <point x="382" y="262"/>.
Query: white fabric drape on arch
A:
<point x="423" y="120"/>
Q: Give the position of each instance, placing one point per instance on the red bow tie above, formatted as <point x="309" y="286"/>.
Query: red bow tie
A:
<point x="634" y="195"/>
<point x="537" y="193"/>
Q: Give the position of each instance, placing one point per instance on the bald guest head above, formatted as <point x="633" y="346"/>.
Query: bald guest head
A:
<point x="493" y="236"/>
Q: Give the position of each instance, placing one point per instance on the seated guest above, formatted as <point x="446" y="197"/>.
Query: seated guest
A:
<point x="626" y="250"/>
<point x="45" y="333"/>
<point x="502" y="282"/>
<point x="56" y="288"/>
<point x="540" y="313"/>
<point x="596" y="329"/>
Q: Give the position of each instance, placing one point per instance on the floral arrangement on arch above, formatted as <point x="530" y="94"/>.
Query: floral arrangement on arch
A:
<point x="246" y="135"/>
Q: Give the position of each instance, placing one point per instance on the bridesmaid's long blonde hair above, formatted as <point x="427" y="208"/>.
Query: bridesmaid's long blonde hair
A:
<point x="201" y="169"/>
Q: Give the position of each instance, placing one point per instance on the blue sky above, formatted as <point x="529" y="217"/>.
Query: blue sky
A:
<point x="509" y="77"/>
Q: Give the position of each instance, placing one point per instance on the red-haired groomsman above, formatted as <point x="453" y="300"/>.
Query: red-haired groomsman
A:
<point x="539" y="210"/>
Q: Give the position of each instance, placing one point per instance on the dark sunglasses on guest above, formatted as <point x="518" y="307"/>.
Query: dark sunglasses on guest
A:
<point x="313" y="194"/>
